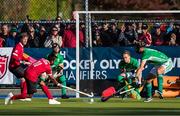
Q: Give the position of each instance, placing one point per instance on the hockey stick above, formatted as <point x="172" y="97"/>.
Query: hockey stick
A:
<point x="83" y="93"/>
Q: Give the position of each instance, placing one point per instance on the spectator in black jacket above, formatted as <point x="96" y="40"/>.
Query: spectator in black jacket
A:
<point x="158" y="36"/>
<point x="42" y="36"/>
<point x="128" y="34"/>
<point x="33" y="41"/>
<point x="114" y="31"/>
<point x="106" y="36"/>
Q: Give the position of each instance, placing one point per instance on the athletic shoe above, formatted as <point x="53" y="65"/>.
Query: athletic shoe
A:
<point x="159" y="94"/>
<point x="64" y="97"/>
<point x="8" y="99"/>
<point x="148" y="99"/>
<point x="26" y="99"/>
<point x="53" y="101"/>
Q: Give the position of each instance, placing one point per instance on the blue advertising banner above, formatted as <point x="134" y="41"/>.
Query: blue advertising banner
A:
<point x="105" y="61"/>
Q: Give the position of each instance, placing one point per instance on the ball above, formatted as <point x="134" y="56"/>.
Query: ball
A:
<point x="91" y="100"/>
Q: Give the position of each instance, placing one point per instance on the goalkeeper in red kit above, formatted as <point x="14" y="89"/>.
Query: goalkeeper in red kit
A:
<point x="32" y="75"/>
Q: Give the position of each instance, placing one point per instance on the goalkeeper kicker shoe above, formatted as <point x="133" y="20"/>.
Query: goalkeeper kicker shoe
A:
<point x="53" y="101"/>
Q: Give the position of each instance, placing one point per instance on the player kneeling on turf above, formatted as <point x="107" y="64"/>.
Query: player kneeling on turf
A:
<point x="128" y="67"/>
<point x="32" y="73"/>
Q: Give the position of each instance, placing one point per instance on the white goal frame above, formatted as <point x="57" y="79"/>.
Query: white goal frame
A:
<point x="77" y="13"/>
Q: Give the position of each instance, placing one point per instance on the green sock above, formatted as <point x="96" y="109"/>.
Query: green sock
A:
<point x="160" y="83"/>
<point x="63" y="89"/>
<point x="62" y="79"/>
<point x="149" y="89"/>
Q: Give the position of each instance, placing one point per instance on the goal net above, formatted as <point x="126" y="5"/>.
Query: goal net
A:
<point x="107" y="34"/>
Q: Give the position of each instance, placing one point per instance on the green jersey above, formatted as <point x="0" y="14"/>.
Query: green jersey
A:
<point x="154" y="57"/>
<point x="133" y="65"/>
<point x="59" y="60"/>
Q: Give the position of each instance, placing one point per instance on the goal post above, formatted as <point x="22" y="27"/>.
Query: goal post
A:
<point x="78" y="13"/>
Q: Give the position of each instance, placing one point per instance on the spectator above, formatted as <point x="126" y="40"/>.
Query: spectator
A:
<point x="60" y="25"/>
<point x="4" y="31"/>
<point x="33" y="41"/>
<point x="114" y="31"/>
<point x="139" y="28"/>
<point x="69" y="38"/>
<point x="128" y="34"/>
<point x="158" y="36"/>
<point x="146" y="36"/>
<point x="106" y="36"/>
<point x="177" y="32"/>
<point x="42" y="36"/>
<point x="2" y="42"/>
<point x="172" y="41"/>
<point x="97" y="40"/>
<point x="53" y="38"/>
<point x="170" y="28"/>
<point x="13" y="39"/>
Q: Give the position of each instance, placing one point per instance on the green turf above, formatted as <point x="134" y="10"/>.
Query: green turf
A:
<point x="114" y="106"/>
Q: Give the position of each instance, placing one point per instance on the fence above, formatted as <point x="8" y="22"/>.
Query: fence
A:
<point x="50" y="9"/>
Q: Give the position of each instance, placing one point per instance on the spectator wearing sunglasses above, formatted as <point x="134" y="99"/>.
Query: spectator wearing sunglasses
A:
<point x="53" y="38"/>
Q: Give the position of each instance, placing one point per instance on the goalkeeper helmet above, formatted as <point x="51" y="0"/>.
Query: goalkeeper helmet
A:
<point x="56" y="48"/>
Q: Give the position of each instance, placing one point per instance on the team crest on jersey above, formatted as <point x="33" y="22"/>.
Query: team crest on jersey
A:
<point x="3" y="65"/>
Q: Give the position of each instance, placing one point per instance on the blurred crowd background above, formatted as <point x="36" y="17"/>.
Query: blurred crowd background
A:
<point x="104" y="34"/>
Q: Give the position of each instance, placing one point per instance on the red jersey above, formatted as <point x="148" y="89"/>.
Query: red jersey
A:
<point x="17" y="56"/>
<point x="36" y="69"/>
<point x="146" y="38"/>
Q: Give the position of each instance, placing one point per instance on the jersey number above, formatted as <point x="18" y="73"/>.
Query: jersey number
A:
<point x="37" y="63"/>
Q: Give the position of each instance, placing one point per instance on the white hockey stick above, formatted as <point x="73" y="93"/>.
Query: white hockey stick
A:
<point x="83" y="93"/>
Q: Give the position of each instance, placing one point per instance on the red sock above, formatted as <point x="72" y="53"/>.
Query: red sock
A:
<point x="23" y="92"/>
<point x="21" y="96"/>
<point x="46" y="91"/>
<point x="23" y="87"/>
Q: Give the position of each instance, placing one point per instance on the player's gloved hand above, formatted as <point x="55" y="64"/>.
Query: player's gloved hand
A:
<point x="59" y="85"/>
